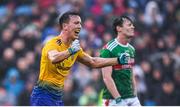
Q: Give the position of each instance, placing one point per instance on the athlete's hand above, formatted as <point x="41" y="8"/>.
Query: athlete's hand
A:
<point x="75" y="47"/>
<point x="123" y="58"/>
<point x="118" y="102"/>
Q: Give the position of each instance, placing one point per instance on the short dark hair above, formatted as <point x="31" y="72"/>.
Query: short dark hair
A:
<point x="64" y="18"/>
<point x="118" y="21"/>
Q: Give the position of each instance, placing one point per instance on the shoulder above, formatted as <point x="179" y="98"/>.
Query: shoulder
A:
<point x="52" y="44"/>
<point x="131" y="47"/>
<point x="55" y="40"/>
<point x="106" y="51"/>
<point x="110" y="45"/>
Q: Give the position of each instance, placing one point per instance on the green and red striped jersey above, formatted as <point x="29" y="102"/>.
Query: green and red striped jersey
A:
<point x="121" y="74"/>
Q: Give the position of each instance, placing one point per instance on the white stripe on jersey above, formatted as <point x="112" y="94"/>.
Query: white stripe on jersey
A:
<point x="112" y="46"/>
<point x="131" y="47"/>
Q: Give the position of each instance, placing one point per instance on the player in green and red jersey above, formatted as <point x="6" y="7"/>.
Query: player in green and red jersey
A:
<point x="119" y="80"/>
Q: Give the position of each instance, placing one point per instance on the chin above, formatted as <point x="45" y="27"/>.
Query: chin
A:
<point x="76" y="37"/>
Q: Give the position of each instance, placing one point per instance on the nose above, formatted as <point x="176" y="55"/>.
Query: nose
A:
<point x="80" y="26"/>
<point x="132" y="26"/>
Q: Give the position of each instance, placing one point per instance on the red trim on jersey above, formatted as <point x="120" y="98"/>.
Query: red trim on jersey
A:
<point x="119" y="67"/>
<point x="105" y="46"/>
<point x="107" y="103"/>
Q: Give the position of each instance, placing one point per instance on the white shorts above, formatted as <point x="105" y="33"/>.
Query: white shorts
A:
<point x="125" y="102"/>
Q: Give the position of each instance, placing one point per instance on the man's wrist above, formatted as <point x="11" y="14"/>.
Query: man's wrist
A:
<point x="118" y="99"/>
<point x="118" y="59"/>
<point x="70" y="50"/>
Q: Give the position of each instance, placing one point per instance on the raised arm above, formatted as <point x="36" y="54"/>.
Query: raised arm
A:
<point x="97" y="62"/>
<point x="56" y="56"/>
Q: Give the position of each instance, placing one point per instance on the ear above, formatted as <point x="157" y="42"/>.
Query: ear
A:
<point x="118" y="28"/>
<point x="64" y="25"/>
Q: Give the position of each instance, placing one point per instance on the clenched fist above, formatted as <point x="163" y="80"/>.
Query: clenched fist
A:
<point x="75" y="47"/>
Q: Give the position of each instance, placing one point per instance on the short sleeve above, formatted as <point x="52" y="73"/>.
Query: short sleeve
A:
<point x="81" y="53"/>
<point x="50" y="46"/>
<point x="105" y="53"/>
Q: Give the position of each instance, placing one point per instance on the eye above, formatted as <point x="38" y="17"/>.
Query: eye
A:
<point x="77" y="23"/>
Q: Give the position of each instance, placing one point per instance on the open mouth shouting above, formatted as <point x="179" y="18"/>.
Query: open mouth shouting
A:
<point x="77" y="31"/>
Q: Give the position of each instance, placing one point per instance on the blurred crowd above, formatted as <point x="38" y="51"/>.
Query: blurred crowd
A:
<point x="25" y="25"/>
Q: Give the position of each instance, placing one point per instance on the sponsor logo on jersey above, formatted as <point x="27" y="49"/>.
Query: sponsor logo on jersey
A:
<point x="59" y="42"/>
<point x="130" y="64"/>
<point x="61" y="66"/>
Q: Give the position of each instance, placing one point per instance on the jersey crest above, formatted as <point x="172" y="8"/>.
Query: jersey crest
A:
<point x="59" y="42"/>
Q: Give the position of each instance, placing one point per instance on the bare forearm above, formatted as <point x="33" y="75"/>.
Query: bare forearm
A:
<point x="134" y="85"/>
<point x="112" y="87"/>
<point x="102" y="62"/>
<point x="59" y="56"/>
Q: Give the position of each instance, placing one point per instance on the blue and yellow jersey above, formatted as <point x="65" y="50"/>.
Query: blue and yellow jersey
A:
<point x="52" y="76"/>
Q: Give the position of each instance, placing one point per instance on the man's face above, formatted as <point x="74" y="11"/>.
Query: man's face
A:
<point x="127" y="28"/>
<point x="74" y="27"/>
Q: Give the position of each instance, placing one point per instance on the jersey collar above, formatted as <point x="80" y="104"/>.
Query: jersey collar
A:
<point x="121" y="44"/>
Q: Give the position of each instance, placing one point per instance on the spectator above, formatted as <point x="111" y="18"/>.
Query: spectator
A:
<point x="13" y="84"/>
<point x="152" y="14"/>
<point x="23" y="98"/>
<point x="168" y="94"/>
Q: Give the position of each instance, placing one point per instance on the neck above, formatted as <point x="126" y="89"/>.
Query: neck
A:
<point x="122" y="39"/>
<point x="65" y="38"/>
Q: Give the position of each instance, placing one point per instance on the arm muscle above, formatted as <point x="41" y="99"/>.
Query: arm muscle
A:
<point x="56" y="56"/>
<point x="97" y="62"/>
<point x="109" y="82"/>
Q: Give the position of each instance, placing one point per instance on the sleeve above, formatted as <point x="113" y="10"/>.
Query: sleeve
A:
<point x="133" y="49"/>
<point x="81" y="53"/>
<point x="105" y="53"/>
<point x="50" y="46"/>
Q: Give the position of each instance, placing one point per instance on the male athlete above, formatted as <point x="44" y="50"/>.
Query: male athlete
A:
<point x="58" y="56"/>
<point x="119" y="81"/>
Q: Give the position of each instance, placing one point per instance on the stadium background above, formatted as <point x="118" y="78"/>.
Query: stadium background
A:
<point x="25" y="25"/>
